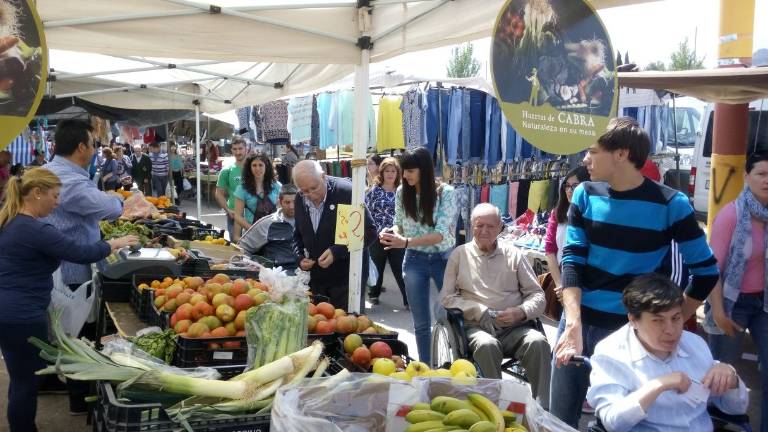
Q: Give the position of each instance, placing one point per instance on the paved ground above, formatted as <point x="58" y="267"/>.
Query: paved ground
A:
<point x="53" y="415"/>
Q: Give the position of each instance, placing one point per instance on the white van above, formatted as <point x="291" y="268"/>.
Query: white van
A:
<point x="757" y="139"/>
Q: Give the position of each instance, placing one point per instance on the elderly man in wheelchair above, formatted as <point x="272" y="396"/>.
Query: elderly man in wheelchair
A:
<point x="500" y="299"/>
<point x="650" y="375"/>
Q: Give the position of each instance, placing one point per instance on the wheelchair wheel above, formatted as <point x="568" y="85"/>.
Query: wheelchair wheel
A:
<point x="445" y="346"/>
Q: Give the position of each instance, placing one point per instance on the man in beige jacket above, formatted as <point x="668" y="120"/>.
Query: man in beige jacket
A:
<point x="496" y="288"/>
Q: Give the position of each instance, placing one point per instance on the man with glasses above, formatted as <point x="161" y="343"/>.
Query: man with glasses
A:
<point x="81" y="207"/>
<point x="498" y="292"/>
<point x="313" y="240"/>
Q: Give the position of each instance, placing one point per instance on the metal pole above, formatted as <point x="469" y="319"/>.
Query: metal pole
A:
<point x="197" y="160"/>
<point x="362" y="96"/>
<point x="677" y="148"/>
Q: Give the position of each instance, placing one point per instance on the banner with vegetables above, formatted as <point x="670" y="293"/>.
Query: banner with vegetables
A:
<point x="23" y="66"/>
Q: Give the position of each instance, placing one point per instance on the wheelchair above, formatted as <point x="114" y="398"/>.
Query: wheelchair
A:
<point x="721" y="422"/>
<point x="450" y="343"/>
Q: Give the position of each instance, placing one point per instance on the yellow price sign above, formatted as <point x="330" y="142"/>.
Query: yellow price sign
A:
<point x="350" y="226"/>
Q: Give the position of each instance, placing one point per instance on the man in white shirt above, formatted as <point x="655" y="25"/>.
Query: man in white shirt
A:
<point x="650" y="375"/>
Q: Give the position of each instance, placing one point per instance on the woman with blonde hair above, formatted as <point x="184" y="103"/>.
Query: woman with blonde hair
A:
<point x="30" y="251"/>
<point x="380" y="200"/>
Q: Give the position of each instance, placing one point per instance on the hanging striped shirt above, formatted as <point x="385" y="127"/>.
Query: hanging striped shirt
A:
<point x="613" y="236"/>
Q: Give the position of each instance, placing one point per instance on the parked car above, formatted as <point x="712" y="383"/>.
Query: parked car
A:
<point x="757" y="140"/>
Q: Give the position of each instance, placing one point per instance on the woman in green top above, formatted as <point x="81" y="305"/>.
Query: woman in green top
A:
<point x="425" y="225"/>
<point x="256" y="197"/>
<point x="177" y="171"/>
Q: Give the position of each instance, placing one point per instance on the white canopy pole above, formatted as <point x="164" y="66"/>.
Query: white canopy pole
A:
<point x="359" y="148"/>
<point x="197" y="160"/>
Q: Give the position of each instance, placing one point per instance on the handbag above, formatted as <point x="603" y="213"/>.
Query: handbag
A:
<point x="552" y="308"/>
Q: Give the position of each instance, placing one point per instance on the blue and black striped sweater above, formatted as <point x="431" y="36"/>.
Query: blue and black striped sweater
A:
<point x="614" y="236"/>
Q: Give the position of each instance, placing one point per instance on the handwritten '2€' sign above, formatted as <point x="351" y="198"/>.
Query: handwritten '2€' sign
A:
<point x="350" y="226"/>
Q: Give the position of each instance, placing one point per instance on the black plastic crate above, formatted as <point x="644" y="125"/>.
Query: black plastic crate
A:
<point x="399" y="348"/>
<point x="114" y="290"/>
<point x="113" y="415"/>
<point x="199" y="233"/>
<point x="202" y="267"/>
<point x="199" y="352"/>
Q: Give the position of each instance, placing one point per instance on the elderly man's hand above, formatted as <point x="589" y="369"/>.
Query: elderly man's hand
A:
<point x="511" y="316"/>
<point x="720" y="378"/>
<point x="326" y="259"/>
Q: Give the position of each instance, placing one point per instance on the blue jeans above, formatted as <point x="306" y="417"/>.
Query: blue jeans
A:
<point x="455" y="123"/>
<point x="22" y="360"/>
<point x="158" y="185"/>
<point x="569" y="383"/>
<point x="492" y="153"/>
<point x="437" y="121"/>
<point x="477" y="121"/>
<point x="231" y="227"/>
<point x="418" y="267"/>
<point x="748" y="313"/>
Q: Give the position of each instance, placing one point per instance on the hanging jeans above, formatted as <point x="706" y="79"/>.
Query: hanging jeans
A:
<point x="466" y="127"/>
<point x="22" y="360"/>
<point x="433" y="121"/>
<point x="418" y="268"/>
<point x="477" y="128"/>
<point x="455" y="116"/>
<point x="511" y="142"/>
<point x="492" y="153"/>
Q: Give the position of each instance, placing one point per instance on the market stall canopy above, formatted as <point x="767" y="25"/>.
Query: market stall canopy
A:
<point x="247" y="51"/>
<point x="727" y="85"/>
<point x="313" y="32"/>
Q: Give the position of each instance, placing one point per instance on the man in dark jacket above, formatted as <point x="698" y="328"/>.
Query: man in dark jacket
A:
<point x="271" y="237"/>
<point x="313" y="239"/>
<point x="141" y="170"/>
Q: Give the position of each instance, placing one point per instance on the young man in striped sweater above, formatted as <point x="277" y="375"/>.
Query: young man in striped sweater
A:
<point x="620" y="225"/>
<point x="160" y="169"/>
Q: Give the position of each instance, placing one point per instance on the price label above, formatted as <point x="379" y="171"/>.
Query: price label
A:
<point x="350" y="226"/>
<point x="222" y="355"/>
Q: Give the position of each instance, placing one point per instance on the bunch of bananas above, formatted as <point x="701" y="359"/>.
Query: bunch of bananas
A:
<point x="477" y="414"/>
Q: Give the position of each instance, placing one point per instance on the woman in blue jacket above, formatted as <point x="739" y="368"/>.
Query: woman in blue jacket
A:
<point x="30" y="251"/>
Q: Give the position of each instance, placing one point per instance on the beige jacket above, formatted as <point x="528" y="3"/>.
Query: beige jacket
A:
<point x="475" y="282"/>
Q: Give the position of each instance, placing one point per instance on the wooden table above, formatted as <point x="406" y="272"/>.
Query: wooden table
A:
<point x="125" y="319"/>
<point x="207" y="182"/>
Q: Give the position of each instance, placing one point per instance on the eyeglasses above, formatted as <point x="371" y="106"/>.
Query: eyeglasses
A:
<point x="571" y="186"/>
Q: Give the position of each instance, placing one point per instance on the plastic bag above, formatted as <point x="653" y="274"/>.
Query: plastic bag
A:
<point x="373" y="273"/>
<point x="75" y="306"/>
<point x="366" y="402"/>
<point x="186" y="185"/>
<point x="120" y="345"/>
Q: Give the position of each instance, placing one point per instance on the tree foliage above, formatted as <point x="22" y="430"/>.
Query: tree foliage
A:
<point x="656" y="66"/>
<point x="462" y="63"/>
<point x="682" y="59"/>
<point x="685" y="59"/>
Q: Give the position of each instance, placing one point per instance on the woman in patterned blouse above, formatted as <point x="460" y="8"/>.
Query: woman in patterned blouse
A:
<point x="424" y="225"/>
<point x="380" y="200"/>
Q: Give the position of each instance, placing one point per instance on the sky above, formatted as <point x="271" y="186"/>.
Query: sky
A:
<point x="650" y="32"/>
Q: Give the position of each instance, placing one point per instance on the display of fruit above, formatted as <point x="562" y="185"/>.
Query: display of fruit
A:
<point x="475" y="414"/>
<point x="342" y="322"/>
<point x="201" y="308"/>
<point x="461" y="371"/>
